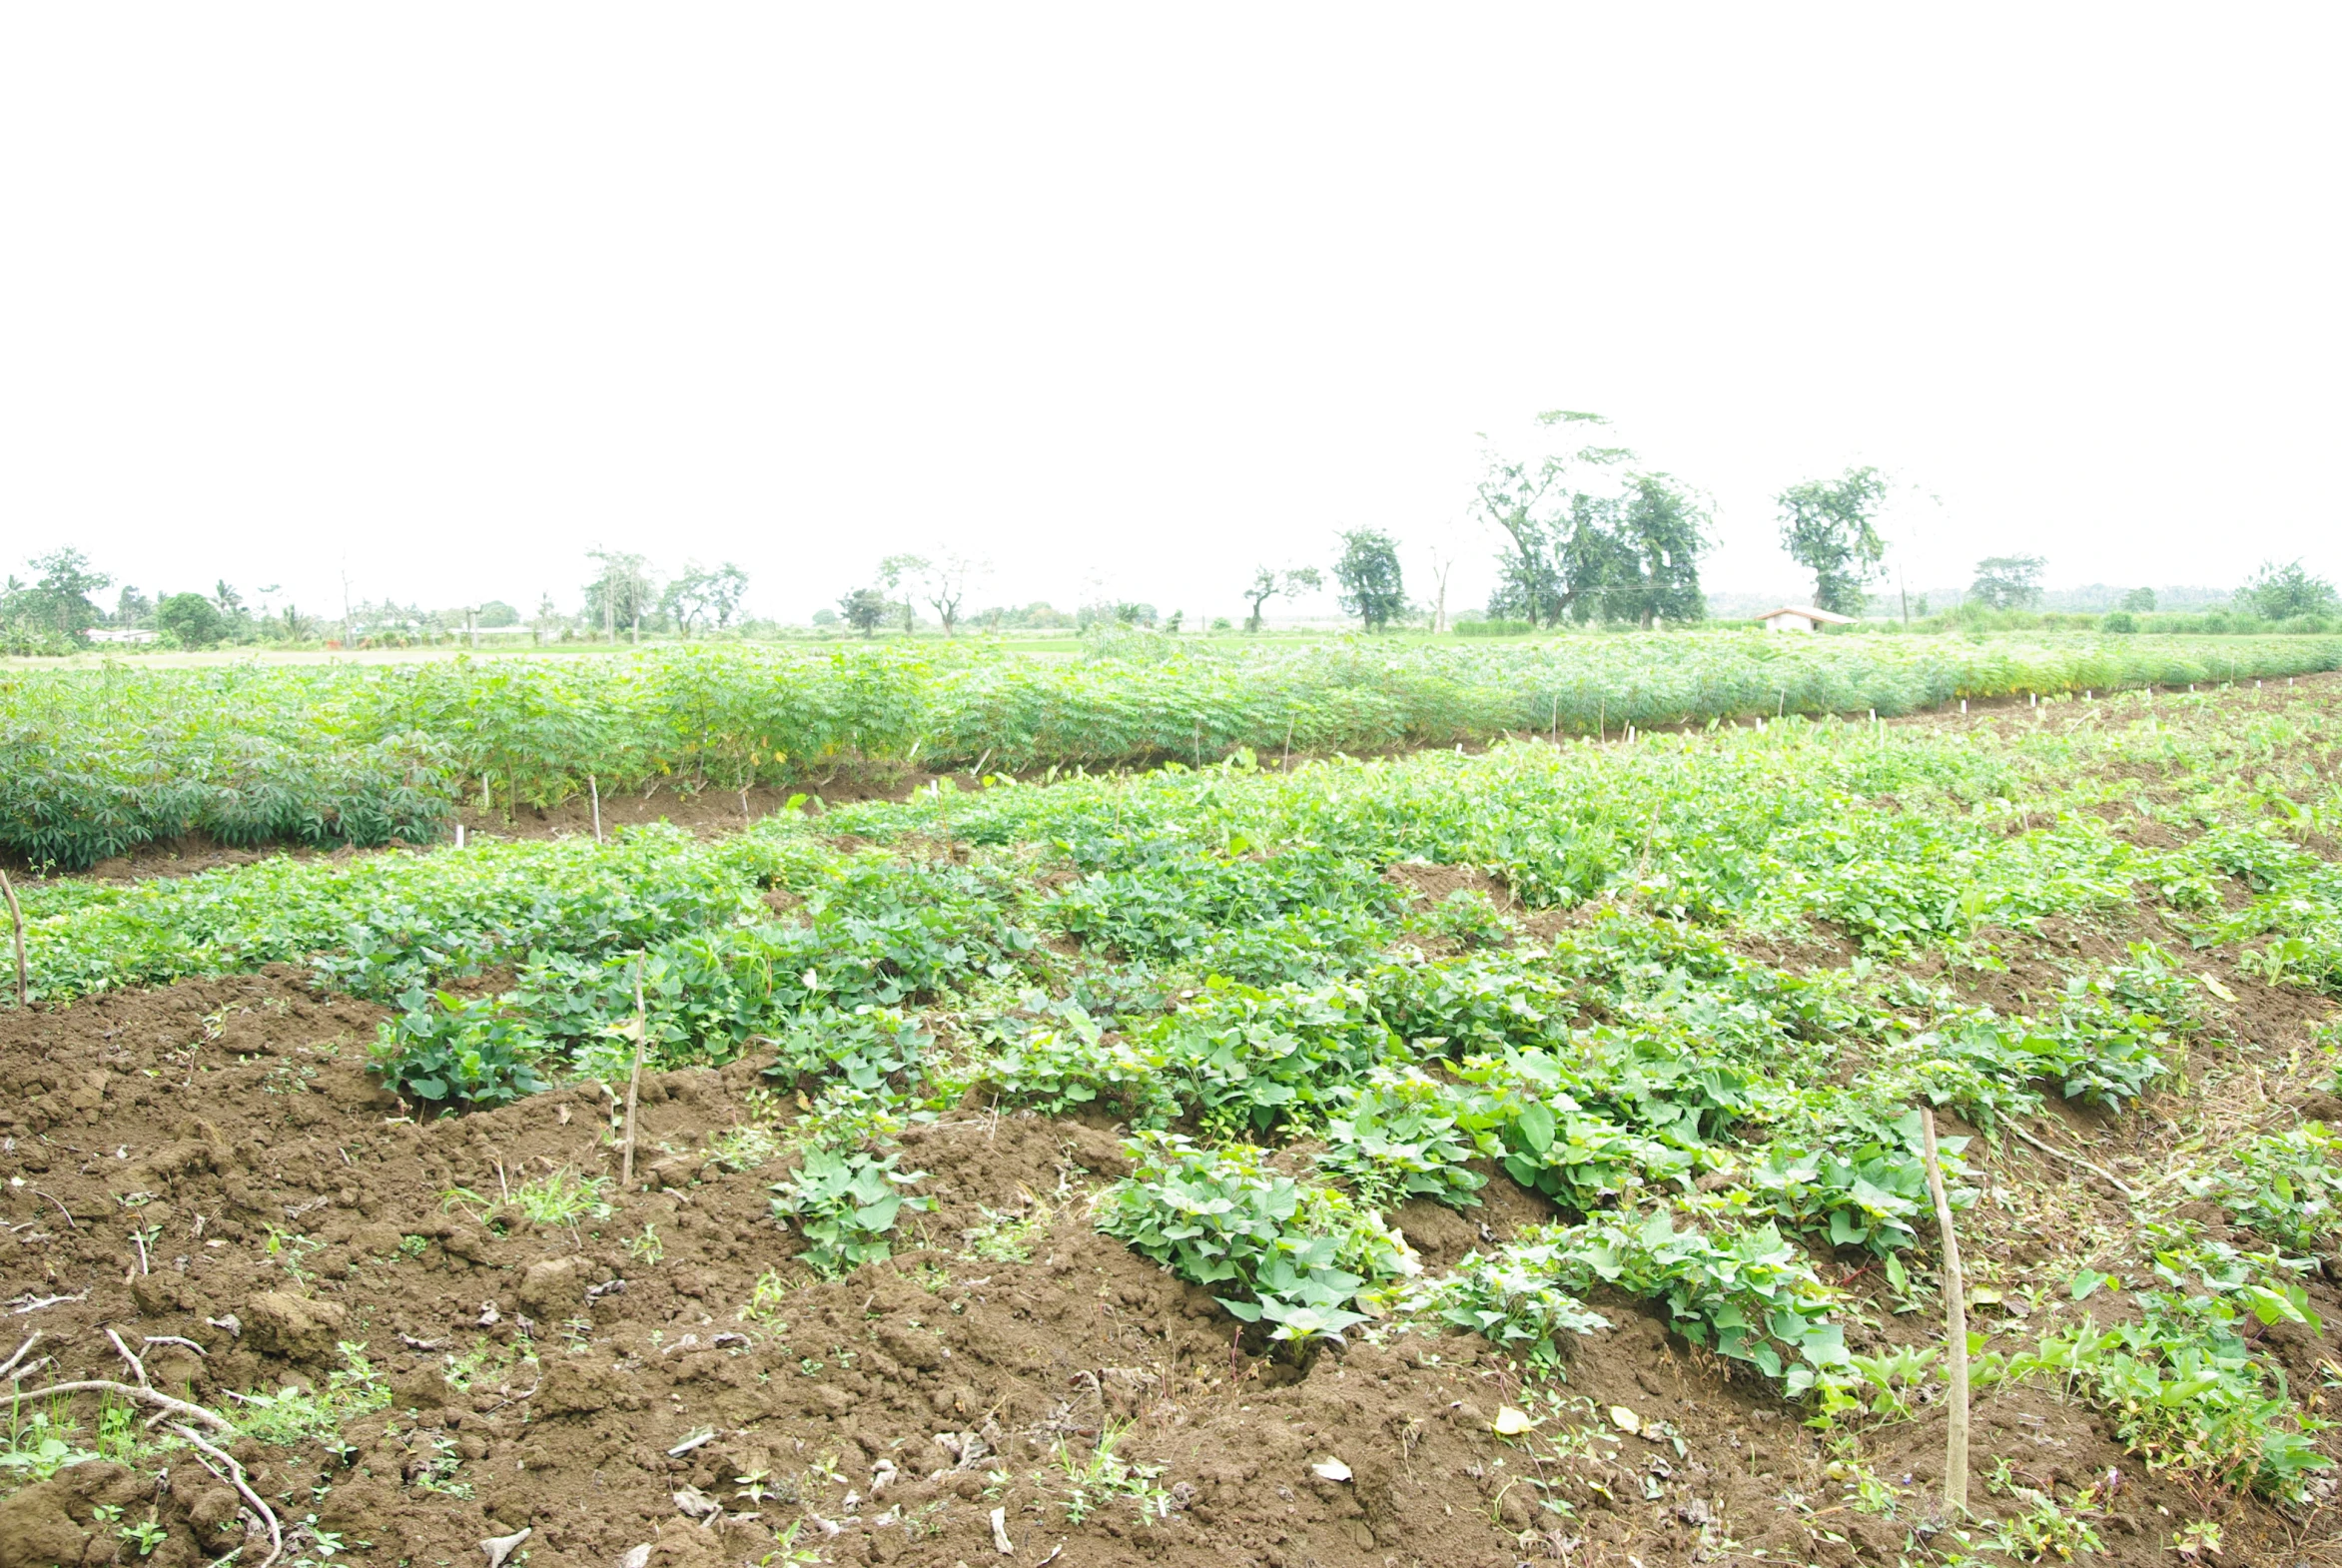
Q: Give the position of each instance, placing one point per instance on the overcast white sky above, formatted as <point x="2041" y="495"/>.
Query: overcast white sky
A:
<point x="1144" y="298"/>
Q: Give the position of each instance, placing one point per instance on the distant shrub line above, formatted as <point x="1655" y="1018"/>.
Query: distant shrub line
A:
<point x="95" y="763"/>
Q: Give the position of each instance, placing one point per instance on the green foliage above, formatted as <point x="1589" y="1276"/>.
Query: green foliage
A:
<point x="191" y="620"/>
<point x="1268" y="584"/>
<point x="1104" y="1475"/>
<point x="1746" y="1293"/>
<point x="1292" y="1255"/>
<point x="1469" y="919"/>
<point x="2007" y="582"/>
<point x="864" y="609"/>
<point x="845" y="1204"/>
<point x="563" y="1198"/>
<point x="449" y="1050"/>
<point x="93" y="763"/>
<point x="1006" y="1239"/>
<point x="866" y="1047"/>
<point x="1513" y="1300"/>
<point x="2183" y="1384"/>
<point x="1871" y="1388"/>
<point x="40" y="1443"/>
<point x="1589" y="540"/>
<point x="294" y="1415"/>
<point x="1397" y="1139"/>
<point x="1546" y="1141"/>
<point x="2045" y="1530"/>
<point x="1828" y="527"/>
<point x="1372" y="585"/>
<point x="1861" y="1188"/>
<point x="1076" y="1065"/>
<point x="1242" y="1058"/>
<point x="2277" y="592"/>
<point x="2288" y="1187"/>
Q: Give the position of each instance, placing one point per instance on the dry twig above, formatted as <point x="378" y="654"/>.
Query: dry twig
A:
<point x="9" y="1365"/>
<point x="2108" y="1176"/>
<point x="234" y="1478"/>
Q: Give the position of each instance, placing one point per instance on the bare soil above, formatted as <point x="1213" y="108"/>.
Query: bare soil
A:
<point x="899" y="1407"/>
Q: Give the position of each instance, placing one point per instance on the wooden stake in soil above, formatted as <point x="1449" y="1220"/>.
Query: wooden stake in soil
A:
<point x="16" y="927"/>
<point x="594" y="785"/>
<point x="634" y="1084"/>
<point x="1956" y="1310"/>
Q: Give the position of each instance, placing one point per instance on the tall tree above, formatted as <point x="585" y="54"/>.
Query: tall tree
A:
<point x="2277" y="593"/>
<point x="900" y="575"/>
<point x="1443" y="562"/>
<point x="2139" y="600"/>
<point x="863" y="609"/>
<point x="1268" y="584"/>
<point x="1369" y="572"/>
<point x="2007" y="582"/>
<point x="1587" y="536"/>
<point x="1651" y="570"/>
<point x="620" y="594"/>
<point x="944" y="579"/>
<point x="59" y="596"/>
<point x="1827" y="527"/>
<point x="1513" y="498"/>
<point x="704" y="599"/>
<point x="191" y="619"/>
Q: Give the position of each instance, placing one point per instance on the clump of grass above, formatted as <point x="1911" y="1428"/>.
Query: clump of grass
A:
<point x="294" y="1414"/>
<point x="1006" y="1238"/>
<point x="766" y="1299"/>
<point x="1101" y="1476"/>
<point x="563" y="1198"/>
<point x="488" y="1363"/>
<point x="746" y="1146"/>
<point x="646" y="1248"/>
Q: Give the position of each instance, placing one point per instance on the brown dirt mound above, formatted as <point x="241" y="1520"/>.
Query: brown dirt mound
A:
<point x="610" y="1393"/>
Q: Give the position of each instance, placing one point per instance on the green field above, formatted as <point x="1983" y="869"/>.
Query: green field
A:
<point x="96" y="763"/>
<point x="1223" y="959"/>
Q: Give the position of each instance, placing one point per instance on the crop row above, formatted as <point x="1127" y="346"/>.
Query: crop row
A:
<point x="93" y="763"/>
<point x="1249" y="972"/>
<point x="1893" y="837"/>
